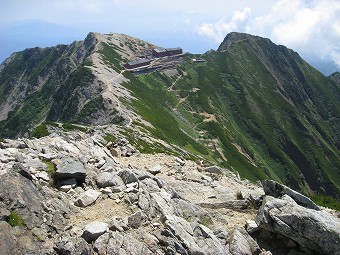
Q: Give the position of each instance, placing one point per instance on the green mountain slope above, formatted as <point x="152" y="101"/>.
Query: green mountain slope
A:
<point x="272" y="115"/>
<point x="31" y="81"/>
<point x="252" y="106"/>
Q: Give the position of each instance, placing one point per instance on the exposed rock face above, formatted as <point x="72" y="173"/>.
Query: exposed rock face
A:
<point x="19" y="194"/>
<point x="274" y="189"/>
<point x="8" y="244"/>
<point x="313" y="229"/>
<point x="241" y="243"/>
<point x="122" y="208"/>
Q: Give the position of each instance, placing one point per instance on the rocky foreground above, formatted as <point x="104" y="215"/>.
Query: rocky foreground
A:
<point x="72" y="193"/>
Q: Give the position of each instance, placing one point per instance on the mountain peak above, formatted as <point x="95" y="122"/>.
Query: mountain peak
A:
<point x="235" y="37"/>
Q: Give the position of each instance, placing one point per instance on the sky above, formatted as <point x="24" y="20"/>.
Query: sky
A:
<point x="310" y="27"/>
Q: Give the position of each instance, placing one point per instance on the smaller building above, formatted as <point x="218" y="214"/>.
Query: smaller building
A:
<point x="159" y="52"/>
<point x="137" y="63"/>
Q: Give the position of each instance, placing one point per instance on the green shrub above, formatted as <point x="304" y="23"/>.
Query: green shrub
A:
<point x="15" y="219"/>
<point x="2" y="140"/>
<point x="109" y="138"/>
<point x="50" y="166"/>
<point x="40" y="131"/>
<point x="206" y="221"/>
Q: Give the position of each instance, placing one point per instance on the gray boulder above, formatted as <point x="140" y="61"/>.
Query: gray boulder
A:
<point x="128" y="176"/>
<point x="8" y="244"/>
<point x="274" y="189"/>
<point x="207" y="240"/>
<point x="107" y="179"/>
<point x="17" y="241"/>
<point x="155" y="169"/>
<point x="251" y="226"/>
<point x="135" y="220"/>
<point x="120" y="243"/>
<point x="89" y="197"/>
<point x="68" y="167"/>
<point x="241" y="243"/>
<point x="19" y="194"/>
<point x="183" y="231"/>
<point x="316" y="230"/>
<point x="213" y="170"/>
<point x="93" y="230"/>
<point x="254" y="197"/>
<point x="21" y="169"/>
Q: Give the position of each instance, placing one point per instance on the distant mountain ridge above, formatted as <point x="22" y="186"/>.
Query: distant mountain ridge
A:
<point x="251" y="106"/>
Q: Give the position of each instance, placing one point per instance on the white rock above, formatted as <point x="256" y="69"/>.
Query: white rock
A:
<point x="251" y="226"/>
<point x="42" y="175"/>
<point x="89" y="197"/>
<point x="93" y="230"/>
<point x="155" y="170"/>
<point x="132" y="185"/>
<point x="65" y="188"/>
<point x="106" y="190"/>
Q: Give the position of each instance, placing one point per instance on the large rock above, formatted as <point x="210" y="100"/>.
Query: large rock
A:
<point x="19" y="194"/>
<point x="68" y="167"/>
<point x="183" y="231"/>
<point x="107" y="179"/>
<point x="254" y="197"/>
<point x="77" y="246"/>
<point x="16" y="241"/>
<point x="197" y="239"/>
<point x="207" y="240"/>
<point x="213" y="170"/>
<point x="94" y="229"/>
<point x="121" y="243"/>
<point x="241" y="243"/>
<point x="274" y="189"/>
<point x="89" y="197"/>
<point x="155" y="169"/>
<point x="8" y="244"/>
<point x="128" y="176"/>
<point x="135" y="220"/>
<point x="316" y="230"/>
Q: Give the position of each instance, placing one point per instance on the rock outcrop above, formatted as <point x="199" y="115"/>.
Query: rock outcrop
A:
<point x="310" y="228"/>
<point x="274" y="189"/>
<point x="98" y="204"/>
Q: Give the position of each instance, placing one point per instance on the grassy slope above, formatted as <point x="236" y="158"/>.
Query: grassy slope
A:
<point x="292" y="138"/>
<point x="284" y="137"/>
<point x="50" y="83"/>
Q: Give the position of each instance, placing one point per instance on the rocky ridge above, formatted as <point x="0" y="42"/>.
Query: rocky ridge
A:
<point x="74" y="193"/>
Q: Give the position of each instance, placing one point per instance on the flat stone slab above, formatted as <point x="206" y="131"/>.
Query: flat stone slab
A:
<point x="68" y="167"/>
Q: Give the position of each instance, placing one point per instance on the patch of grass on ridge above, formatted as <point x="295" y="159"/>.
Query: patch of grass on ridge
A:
<point x="71" y="127"/>
<point x="15" y="219"/>
<point x="40" y="131"/>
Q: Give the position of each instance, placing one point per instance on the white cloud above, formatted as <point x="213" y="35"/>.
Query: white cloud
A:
<point x="309" y="26"/>
<point x="218" y="30"/>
